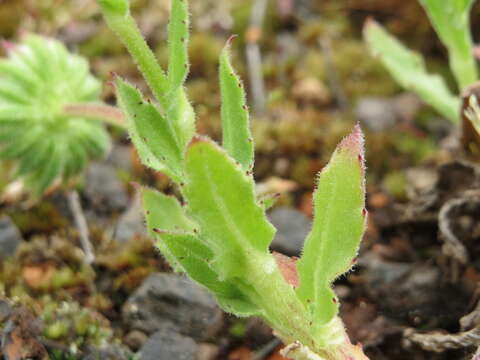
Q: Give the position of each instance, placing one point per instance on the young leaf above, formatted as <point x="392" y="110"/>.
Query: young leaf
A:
<point x="165" y="213"/>
<point x="221" y="198"/>
<point x="451" y="20"/>
<point x="181" y="115"/>
<point x="408" y="69"/>
<point x="171" y="97"/>
<point x="338" y="226"/>
<point x="237" y="139"/>
<point x="185" y="252"/>
<point x="150" y="132"/>
<point x="178" y="34"/>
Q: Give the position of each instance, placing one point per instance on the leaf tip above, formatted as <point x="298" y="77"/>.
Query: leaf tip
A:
<point x="354" y="142"/>
<point x="230" y="40"/>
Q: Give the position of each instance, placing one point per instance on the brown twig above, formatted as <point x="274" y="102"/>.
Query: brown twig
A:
<point x="439" y="342"/>
<point x="81" y="223"/>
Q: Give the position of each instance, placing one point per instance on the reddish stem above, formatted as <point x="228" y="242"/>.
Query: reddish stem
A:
<point x="109" y="114"/>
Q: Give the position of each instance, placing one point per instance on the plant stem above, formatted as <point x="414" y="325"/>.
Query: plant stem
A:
<point x="290" y="319"/>
<point x="128" y="31"/>
<point x="81" y="223"/>
<point x="109" y="114"/>
<point x="254" y="56"/>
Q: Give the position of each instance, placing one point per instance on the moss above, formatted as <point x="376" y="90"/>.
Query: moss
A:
<point x="33" y="220"/>
<point x="395" y="183"/>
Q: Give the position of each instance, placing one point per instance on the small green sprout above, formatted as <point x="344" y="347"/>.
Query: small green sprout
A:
<point x="219" y="234"/>
<point x="452" y="24"/>
<point x="42" y="130"/>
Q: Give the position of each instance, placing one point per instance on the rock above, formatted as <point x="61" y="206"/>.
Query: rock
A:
<point x="407" y="106"/>
<point x="135" y="339"/>
<point x="292" y="228"/>
<point x="109" y="352"/>
<point x="376" y="113"/>
<point x="104" y="190"/>
<point x="413" y="292"/>
<point x="131" y="222"/>
<point x="121" y="157"/>
<point x="166" y="344"/>
<point x="10" y="237"/>
<point x="176" y="301"/>
<point x="311" y="91"/>
<point x="207" y="351"/>
<point x="420" y="180"/>
<point x="6" y="310"/>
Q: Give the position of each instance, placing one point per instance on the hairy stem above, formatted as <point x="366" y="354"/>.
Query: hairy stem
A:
<point x="109" y="114"/>
<point x="128" y="31"/>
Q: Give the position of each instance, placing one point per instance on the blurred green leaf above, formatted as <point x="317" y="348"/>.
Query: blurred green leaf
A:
<point x="408" y="69"/>
<point x="451" y="20"/>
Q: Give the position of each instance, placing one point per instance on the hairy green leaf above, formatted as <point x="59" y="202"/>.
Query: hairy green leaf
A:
<point x="171" y="97"/>
<point x="150" y="132"/>
<point x="338" y="226"/>
<point x="164" y="213"/>
<point x="451" y="20"/>
<point x="193" y="257"/>
<point x="186" y="252"/>
<point x="181" y="115"/>
<point x="178" y="34"/>
<point x="408" y="69"/>
<point x="178" y="109"/>
<point x="221" y="198"/>
<point x="237" y="139"/>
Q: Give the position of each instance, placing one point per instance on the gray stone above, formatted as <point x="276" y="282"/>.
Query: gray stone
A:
<point x="10" y="237"/>
<point x="376" y="113"/>
<point x="104" y="190"/>
<point x="135" y="339"/>
<point x="166" y="344"/>
<point x="6" y="310"/>
<point x="206" y="351"/>
<point x="131" y="222"/>
<point x="121" y="157"/>
<point x="292" y="228"/>
<point x="167" y="299"/>
<point x="108" y="352"/>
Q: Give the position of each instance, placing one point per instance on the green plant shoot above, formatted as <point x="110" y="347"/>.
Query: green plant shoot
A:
<point x="451" y="22"/>
<point x="49" y="111"/>
<point x="218" y="232"/>
<point x="409" y="70"/>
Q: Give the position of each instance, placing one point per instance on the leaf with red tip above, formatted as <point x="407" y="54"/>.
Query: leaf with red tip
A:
<point x="338" y="226"/>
